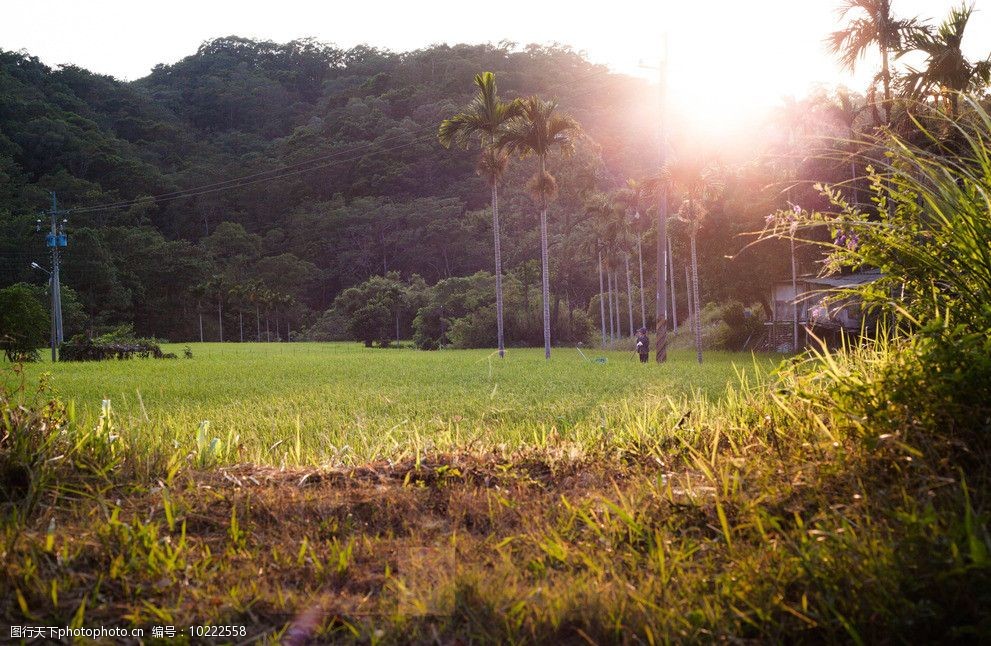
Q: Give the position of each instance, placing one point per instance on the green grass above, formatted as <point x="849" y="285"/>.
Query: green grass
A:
<point x="351" y="404"/>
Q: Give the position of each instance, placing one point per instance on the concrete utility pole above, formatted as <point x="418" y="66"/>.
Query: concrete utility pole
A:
<point x="661" y="305"/>
<point x="55" y="240"/>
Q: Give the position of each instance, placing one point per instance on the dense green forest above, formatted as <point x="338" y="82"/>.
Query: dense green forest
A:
<point x="250" y="184"/>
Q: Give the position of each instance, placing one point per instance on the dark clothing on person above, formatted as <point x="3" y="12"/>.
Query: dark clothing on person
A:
<point x="643" y="346"/>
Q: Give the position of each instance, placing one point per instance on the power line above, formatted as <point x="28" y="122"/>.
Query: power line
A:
<point x="428" y="132"/>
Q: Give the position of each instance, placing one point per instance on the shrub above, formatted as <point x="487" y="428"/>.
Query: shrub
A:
<point x="117" y="343"/>
<point x="331" y="326"/>
<point x="24" y="324"/>
<point x="379" y="309"/>
<point x="930" y="237"/>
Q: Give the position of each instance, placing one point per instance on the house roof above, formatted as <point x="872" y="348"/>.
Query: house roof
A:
<point x="849" y="280"/>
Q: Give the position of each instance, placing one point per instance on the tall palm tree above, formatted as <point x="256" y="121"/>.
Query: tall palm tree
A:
<point x="700" y="185"/>
<point x="947" y="72"/>
<point x="596" y="210"/>
<point x="871" y="24"/>
<point x="484" y="118"/>
<point x="537" y="131"/>
<point x="846" y="110"/>
<point x="631" y="196"/>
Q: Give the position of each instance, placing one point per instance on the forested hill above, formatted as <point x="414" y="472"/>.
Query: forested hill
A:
<point x="343" y="176"/>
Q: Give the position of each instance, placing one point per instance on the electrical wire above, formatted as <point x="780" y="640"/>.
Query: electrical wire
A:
<point x="428" y="132"/>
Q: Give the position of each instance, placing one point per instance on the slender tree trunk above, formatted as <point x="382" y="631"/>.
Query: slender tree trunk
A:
<point x="545" y="270"/>
<point x="661" y="354"/>
<point x="612" y="321"/>
<point x="688" y="295"/>
<point x="695" y="298"/>
<point x="643" y="302"/>
<point x="220" y="319"/>
<point x="201" y="326"/>
<point x="615" y="298"/>
<point x="268" y="330"/>
<point x="546" y="283"/>
<point x="853" y="180"/>
<point x="602" y="303"/>
<point x="886" y="78"/>
<point x="258" y="324"/>
<point x="674" y="306"/>
<point x="629" y="292"/>
<point x="794" y="293"/>
<point x="498" y="269"/>
<point x="277" y="328"/>
<point x="240" y="323"/>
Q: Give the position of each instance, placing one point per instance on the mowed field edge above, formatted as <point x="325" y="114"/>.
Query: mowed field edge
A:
<point x="342" y="403"/>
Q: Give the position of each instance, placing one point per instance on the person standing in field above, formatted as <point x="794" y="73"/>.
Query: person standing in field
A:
<point x="643" y="344"/>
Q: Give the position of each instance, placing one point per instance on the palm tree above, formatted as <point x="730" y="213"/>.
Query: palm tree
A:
<point x="631" y="197"/>
<point x="948" y="72"/>
<point x="596" y="209"/>
<point x="485" y="118"/>
<point x="871" y="25"/>
<point x="700" y="184"/>
<point x="537" y="131"/>
<point x="238" y="294"/>
<point x="845" y="110"/>
<point x="254" y="292"/>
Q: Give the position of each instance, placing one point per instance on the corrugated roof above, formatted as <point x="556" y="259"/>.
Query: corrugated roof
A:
<point x="850" y="280"/>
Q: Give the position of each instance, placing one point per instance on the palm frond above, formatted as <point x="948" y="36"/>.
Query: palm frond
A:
<point x="482" y="118"/>
<point x="543" y="186"/>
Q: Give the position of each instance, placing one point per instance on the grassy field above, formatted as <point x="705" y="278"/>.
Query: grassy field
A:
<point x="395" y="496"/>
<point x="347" y="404"/>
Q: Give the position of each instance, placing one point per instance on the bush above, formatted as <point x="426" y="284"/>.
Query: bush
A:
<point x="24" y="324"/>
<point x="379" y="309"/>
<point x="725" y="326"/>
<point x="930" y="374"/>
<point x="118" y="343"/>
<point x="331" y="326"/>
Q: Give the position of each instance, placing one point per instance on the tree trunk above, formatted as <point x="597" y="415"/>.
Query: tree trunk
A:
<point x="886" y="78"/>
<point x="614" y="304"/>
<point x="201" y="326"/>
<point x="643" y="302"/>
<point x="545" y="270"/>
<point x="695" y="299"/>
<point x="662" y="286"/>
<point x="629" y="292"/>
<point x="220" y="319"/>
<point x="258" y="324"/>
<point x="240" y="323"/>
<point x="268" y="330"/>
<point x="674" y="305"/>
<point x="498" y="270"/>
<point x="688" y="294"/>
<point x="794" y="294"/>
<point x="277" y="328"/>
<point x="612" y="320"/>
<point x="602" y="303"/>
<point x="853" y="180"/>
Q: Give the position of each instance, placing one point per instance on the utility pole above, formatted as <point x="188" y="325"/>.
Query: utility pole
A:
<point x="54" y="334"/>
<point x="661" y="305"/>
<point x="55" y="240"/>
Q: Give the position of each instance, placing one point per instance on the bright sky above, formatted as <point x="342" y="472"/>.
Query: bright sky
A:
<point x="726" y="57"/>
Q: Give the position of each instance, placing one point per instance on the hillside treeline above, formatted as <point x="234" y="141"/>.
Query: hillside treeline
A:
<point x="248" y="185"/>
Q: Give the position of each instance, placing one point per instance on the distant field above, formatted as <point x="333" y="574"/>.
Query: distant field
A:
<point x="343" y="403"/>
